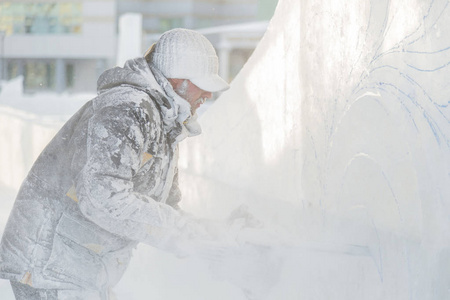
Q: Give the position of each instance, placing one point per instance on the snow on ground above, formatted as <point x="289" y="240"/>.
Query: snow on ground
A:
<point x="57" y="106"/>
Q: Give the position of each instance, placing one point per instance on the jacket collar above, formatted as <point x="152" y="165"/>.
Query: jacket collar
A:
<point x="178" y="110"/>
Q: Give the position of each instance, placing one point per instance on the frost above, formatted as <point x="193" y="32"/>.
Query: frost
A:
<point x="101" y="132"/>
<point x="337" y="131"/>
<point x="336" y="135"/>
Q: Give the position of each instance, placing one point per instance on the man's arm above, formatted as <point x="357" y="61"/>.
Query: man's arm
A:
<point x="105" y="188"/>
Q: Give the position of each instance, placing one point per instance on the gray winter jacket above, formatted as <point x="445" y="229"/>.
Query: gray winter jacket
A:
<point x="106" y="181"/>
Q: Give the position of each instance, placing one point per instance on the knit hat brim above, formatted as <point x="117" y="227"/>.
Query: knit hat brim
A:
<point x="212" y="83"/>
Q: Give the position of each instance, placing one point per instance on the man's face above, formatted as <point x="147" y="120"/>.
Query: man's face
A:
<point x="190" y="92"/>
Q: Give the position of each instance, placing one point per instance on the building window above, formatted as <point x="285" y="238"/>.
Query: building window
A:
<point x="70" y="75"/>
<point x="39" y="75"/>
<point x="169" y="23"/>
<point x="40" y="18"/>
<point x="203" y="23"/>
<point x="13" y="70"/>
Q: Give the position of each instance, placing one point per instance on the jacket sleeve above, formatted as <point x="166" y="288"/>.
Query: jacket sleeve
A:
<point x="175" y="194"/>
<point x="104" y="187"/>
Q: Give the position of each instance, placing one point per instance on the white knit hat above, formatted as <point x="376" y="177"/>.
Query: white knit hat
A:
<point x="187" y="54"/>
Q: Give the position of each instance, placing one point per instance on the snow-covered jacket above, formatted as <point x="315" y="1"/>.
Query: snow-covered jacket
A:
<point x="106" y="181"/>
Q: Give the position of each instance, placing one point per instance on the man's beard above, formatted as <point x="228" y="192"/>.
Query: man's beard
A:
<point x="182" y="91"/>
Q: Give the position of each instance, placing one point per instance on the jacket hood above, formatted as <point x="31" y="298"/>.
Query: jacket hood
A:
<point x="135" y="72"/>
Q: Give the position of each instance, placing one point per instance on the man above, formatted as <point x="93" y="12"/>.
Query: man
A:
<point x="108" y="179"/>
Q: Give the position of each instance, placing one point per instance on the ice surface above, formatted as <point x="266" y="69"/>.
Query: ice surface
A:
<point x="337" y="132"/>
<point x="336" y="136"/>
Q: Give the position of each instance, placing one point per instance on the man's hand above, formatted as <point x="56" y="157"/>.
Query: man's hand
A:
<point x="248" y="229"/>
<point x="241" y="217"/>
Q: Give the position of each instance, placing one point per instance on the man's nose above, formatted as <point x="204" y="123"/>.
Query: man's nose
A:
<point x="207" y="94"/>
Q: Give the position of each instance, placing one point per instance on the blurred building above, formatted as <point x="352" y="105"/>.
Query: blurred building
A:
<point x="65" y="45"/>
<point x="59" y="45"/>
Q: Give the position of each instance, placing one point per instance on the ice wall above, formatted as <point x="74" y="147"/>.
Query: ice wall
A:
<point x="337" y="132"/>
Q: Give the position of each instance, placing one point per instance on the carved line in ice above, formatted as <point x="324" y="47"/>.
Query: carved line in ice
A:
<point x="434" y="128"/>
<point x="433" y="125"/>
<point x="427" y="52"/>
<point x="316" y="158"/>
<point x="415" y="83"/>
<point x="407" y="256"/>
<point x="378" y="264"/>
<point x="385" y="29"/>
<point x="347" y="109"/>
<point x="362" y="155"/>
<point x="377" y="257"/>
<point x="425" y="18"/>
<point x="429" y="70"/>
